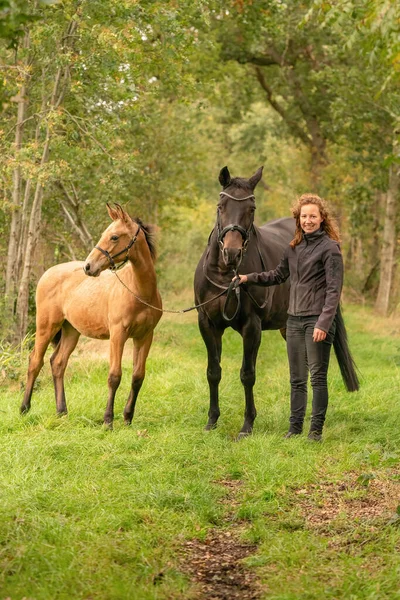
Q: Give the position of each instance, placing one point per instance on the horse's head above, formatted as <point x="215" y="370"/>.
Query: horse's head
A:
<point x="235" y="215"/>
<point x="115" y="243"/>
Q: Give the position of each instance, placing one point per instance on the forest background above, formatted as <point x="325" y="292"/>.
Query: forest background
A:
<point x="142" y="103"/>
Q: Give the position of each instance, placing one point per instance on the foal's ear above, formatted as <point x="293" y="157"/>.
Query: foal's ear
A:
<point x="117" y="212"/>
<point x="254" y="179"/>
<point x="224" y="177"/>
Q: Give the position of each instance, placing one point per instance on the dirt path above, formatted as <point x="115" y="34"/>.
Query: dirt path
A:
<point x="215" y="565"/>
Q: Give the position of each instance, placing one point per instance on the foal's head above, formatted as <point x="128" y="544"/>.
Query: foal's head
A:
<point x="118" y="242"/>
<point x="235" y="215"/>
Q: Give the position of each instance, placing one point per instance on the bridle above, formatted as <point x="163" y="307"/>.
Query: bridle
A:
<point x="245" y="233"/>
<point x="113" y="266"/>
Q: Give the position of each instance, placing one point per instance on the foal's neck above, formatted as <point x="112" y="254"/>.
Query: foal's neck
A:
<point x="142" y="270"/>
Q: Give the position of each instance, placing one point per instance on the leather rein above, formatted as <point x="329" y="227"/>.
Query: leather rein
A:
<point x="233" y="287"/>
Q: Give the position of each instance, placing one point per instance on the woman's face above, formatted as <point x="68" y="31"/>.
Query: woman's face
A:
<point x="310" y="218"/>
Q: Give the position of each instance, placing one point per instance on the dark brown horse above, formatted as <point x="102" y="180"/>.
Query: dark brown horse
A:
<point x="69" y="303"/>
<point x="236" y="244"/>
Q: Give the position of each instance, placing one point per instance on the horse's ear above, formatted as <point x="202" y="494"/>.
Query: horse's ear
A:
<point x="254" y="179"/>
<point x="224" y="177"/>
<point x="117" y="213"/>
<point x="112" y="212"/>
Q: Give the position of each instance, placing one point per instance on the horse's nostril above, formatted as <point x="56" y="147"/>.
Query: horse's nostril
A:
<point x="87" y="267"/>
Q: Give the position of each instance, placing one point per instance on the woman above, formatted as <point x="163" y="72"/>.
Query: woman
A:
<point x="314" y="263"/>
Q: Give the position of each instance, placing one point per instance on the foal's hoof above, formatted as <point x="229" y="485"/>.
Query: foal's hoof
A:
<point x="108" y="426"/>
<point x="23" y="409"/>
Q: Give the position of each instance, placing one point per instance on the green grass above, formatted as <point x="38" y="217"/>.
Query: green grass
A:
<point x="90" y="514"/>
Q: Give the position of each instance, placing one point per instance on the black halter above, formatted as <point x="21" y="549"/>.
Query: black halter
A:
<point x="245" y="233"/>
<point x="113" y="266"/>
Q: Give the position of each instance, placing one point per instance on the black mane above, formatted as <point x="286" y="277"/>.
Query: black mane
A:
<point x="240" y="183"/>
<point x="150" y="234"/>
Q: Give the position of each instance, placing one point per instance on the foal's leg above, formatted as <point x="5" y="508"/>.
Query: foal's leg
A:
<point x="59" y="360"/>
<point x="140" y="352"/>
<point x="251" y="342"/>
<point x="45" y="332"/>
<point x="117" y="342"/>
<point x="213" y="340"/>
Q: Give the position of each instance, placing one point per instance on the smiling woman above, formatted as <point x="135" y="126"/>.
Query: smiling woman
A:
<point x="313" y="262"/>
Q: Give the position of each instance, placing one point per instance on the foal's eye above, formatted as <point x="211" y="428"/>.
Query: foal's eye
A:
<point x="114" y="238"/>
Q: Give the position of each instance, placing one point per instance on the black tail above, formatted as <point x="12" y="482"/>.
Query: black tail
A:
<point x="343" y="355"/>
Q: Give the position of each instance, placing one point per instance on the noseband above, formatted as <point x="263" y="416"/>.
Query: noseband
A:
<point x="113" y="266"/>
<point x="245" y="233"/>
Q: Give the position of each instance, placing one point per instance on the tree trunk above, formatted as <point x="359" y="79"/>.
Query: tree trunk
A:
<point x="36" y="210"/>
<point x="15" y="226"/>
<point x="387" y="259"/>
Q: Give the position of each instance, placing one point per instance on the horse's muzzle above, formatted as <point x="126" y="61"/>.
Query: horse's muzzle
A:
<point x="232" y="256"/>
<point x="88" y="269"/>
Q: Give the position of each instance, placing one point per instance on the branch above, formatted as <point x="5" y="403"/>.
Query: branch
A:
<point x="75" y="120"/>
<point x="293" y="126"/>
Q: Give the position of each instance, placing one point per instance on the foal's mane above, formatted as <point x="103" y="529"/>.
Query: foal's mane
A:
<point x="150" y="235"/>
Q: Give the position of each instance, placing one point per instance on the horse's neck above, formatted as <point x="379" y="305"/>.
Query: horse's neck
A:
<point x="142" y="274"/>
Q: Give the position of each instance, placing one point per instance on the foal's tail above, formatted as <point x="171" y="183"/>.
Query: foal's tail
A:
<point x="343" y="355"/>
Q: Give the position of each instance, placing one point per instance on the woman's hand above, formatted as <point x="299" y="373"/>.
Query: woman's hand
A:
<point x="319" y="335"/>
<point x="242" y="279"/>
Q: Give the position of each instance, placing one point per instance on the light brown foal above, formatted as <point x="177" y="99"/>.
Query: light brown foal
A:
<point x="86" y="298"/>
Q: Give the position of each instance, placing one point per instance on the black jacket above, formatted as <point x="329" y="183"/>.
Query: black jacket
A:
<point x="315" y="267"/>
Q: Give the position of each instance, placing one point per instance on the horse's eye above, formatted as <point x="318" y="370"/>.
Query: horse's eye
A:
<point x="114" y="238"/>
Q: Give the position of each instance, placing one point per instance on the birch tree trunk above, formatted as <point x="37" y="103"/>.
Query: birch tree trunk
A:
<point x="57" y="97"/>
<point x="388" y="251"/>
<point x="15" y="226"/>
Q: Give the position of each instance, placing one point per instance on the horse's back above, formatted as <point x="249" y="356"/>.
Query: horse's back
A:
<point x="277" y="232"/>
<point x="59" y="279"/>
<point x="65" y="292"/>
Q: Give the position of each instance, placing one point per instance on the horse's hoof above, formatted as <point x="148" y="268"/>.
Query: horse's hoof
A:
<point x="24" y="409"/>
<point x="108" y="426"/>
<point x="243" y="434"/>
<point x="127" y="422"/>
<point x="210" y="426"/>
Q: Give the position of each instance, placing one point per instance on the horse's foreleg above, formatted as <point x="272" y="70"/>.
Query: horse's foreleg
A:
<point x="43" y="337"/>
<point x="117" y="342"/>
<point x="213" y="340"/>
<point x="59" y="361"/>
<point x="140" y="352"/>
<point x="251" y="342"/>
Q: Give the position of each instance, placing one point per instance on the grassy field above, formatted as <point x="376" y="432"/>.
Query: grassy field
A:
<point x="90" y="514"/>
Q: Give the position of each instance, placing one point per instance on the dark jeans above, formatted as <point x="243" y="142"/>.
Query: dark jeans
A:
<point x="307" y="356"/>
